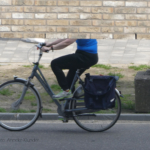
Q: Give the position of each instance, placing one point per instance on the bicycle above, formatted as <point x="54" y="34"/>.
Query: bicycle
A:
<point x="21" y="104"/>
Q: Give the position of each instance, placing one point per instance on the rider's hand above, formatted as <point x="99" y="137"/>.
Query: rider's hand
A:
<point x="44" y="48"/>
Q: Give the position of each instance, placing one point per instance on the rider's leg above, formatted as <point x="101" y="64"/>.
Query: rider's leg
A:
<point x="65" y="62"/>
<point x="72" y="61"/>
<point x="70" y="76"/>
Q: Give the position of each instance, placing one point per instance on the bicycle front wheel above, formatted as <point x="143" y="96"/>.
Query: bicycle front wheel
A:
<point x="95" y="120"/>
<point x="18" y="111"/>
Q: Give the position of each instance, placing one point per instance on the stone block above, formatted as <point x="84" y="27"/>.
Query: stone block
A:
<point x="90" y="16"/>
<point x="44" y="29"/>
<point x="22" y="15"/>
<point x="143" y="10"/>
<point x="5" y="15"/>
<point x="113" y="3"/>
<point x="23" y="2"/>
<point x="68" y="3"/>
<point x="12" y="22"/>
<point x="113" y="16"/>
<point x="144" y="23"/>
<point x="112" y="29"/>
<point x="79" y="35"/>
<point x="79" y="9"/>
<point x="134" y="30"/>
<point x="142" y="94"/>
<point x="5" y="2"/>
<point x="5" y="28"/>
<point x="67" y="29"/>
<point x="34" y="35"/>
<point x="35" y="22"/>
<point x="80" y="22"/>
<point x="102" y="23"/>
<point x="101" y="36"/>
<point x="46" y="2"/>
<point x="67" y="16"/>
<point x="90" y="3"/>
<point x="34" y="9"/>
<point x="89" y="29"/>
<point x="45" y="16"/>
<point x="136" y="4"/>
<point x="22" y="28"/>
<point x="102" y="9"/>
<point x="122" y="10"/>
<point x="124" y="36"/>
<point x="136" y="17"/>
<point x="58" y="22"/>
<point x="11" y="9"/>
<point x="143" y="36"/>
<point x="57" y="9"/>
<point x="11" y="35"/>
<point x="126" y="23"/>
<point x="56" y="35"/>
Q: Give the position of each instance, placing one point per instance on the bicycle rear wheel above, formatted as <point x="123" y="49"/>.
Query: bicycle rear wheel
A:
<point x="95" y="120"/>
<point x="16" y="115"/>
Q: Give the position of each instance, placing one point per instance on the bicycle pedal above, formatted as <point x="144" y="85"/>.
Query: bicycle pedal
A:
<point x="60" y="117"/>
<point x="64" y="120"/>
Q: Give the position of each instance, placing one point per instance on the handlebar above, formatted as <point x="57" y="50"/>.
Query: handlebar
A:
<point x="40" y="45"/>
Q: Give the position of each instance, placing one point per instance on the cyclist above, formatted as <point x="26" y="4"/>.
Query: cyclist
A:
<point x="84" y="57"/>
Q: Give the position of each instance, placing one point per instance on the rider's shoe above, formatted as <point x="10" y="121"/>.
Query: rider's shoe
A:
<point x="63" y="94"/>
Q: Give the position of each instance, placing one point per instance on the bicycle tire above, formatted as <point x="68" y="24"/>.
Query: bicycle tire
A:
<point x="93" y="122"/>
<point x="18" y="117"/>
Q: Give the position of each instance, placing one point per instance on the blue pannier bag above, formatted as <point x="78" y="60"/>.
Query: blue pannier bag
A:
<point x="99" y="92"/>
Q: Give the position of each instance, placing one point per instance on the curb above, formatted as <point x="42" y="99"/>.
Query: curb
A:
<point x="54" y="116"/>
<point x="123" y="117"/>
<point x="135" y="117"/>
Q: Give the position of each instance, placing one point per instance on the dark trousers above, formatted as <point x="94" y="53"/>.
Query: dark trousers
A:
<point x="80" y="59"/>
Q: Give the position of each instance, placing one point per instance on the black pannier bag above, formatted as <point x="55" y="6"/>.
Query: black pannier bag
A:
<point x="99" y="92"/>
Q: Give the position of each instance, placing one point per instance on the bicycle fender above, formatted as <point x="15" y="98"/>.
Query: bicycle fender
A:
<point x="24" y="80"/>
<point x="118" y="93"/>
<point x="31" y="84"/>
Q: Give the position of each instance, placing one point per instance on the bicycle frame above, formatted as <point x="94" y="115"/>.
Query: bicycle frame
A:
<point x="40" y="77"/>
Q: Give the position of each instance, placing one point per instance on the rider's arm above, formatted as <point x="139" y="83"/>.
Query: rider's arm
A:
<point x="48" y="44"/>
<point x="63" y="44"/>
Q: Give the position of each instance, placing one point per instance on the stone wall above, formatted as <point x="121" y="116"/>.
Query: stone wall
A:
<point x="95" y="19"/>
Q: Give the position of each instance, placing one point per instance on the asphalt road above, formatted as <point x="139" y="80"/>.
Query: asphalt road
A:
<point x="59" y="136"/>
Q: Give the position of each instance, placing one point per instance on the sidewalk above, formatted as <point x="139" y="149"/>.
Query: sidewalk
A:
<point x="116" y="52"/>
